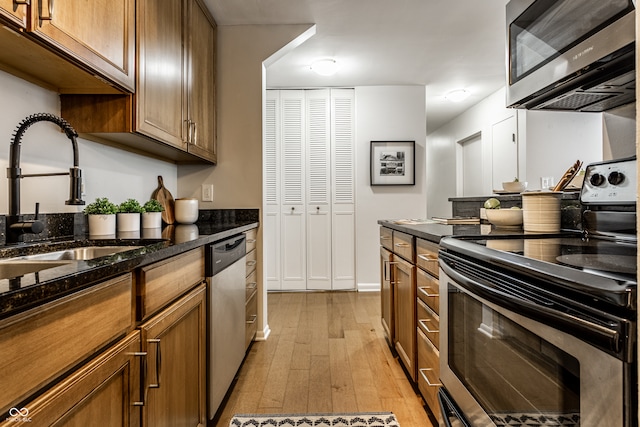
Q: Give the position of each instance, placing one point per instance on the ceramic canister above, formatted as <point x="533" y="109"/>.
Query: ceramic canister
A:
<point x="186" y="210"/>
<point x="541" y="211"/>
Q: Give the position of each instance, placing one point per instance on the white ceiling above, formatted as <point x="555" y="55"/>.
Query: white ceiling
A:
<point x="440" y="44"/>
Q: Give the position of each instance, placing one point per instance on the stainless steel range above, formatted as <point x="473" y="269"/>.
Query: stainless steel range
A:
<point x="541" y="329"/>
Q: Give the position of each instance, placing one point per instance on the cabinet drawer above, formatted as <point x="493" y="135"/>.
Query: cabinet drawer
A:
<point x="162" y="282"/>
<point x="251" y="262"/>
<point x="429" y="373"/>
<point x="427" y="256"/>
<point x="251" y="239"/>
<point x="41" y="344"/>
<point x="252" y="284"/>
<point x="429" y="323"/>
<point x="386" y="238"/>
<point x="251" y="327"/>
<point x="428" y="290"/>
<point x="403" y="245"/>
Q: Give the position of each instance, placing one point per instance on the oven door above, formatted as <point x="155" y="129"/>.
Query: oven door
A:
<point x="503" y="368"/>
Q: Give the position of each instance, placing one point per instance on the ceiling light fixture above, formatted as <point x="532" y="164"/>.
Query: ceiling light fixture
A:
<point x="325" y="67"/>
<point x="457" y="95"/>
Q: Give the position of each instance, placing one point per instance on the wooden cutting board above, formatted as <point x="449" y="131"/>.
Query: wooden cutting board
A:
<point x="162" y="195"/>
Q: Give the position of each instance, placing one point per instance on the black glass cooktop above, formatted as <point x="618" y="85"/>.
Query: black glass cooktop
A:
<point x="596" y="256"/>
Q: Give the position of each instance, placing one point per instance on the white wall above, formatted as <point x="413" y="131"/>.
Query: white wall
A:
<point x="394" y="113"/>
<point x="549" y="142"/>
<point x="107" y="172"/>
<point x="442" y="145"/>
<point x="556" y="139"/>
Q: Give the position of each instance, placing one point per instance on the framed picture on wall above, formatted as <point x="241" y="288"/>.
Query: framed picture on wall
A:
<point x="393" y="163"/>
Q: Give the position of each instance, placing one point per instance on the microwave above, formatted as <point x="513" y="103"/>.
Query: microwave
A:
<point x="571" y="55"/>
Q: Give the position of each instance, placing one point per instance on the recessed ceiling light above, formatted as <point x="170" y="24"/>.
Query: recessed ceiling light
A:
<point x="457" y="95"/>
<point x="325" y="67"/>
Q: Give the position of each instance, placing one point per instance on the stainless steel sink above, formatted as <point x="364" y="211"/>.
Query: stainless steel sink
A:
<point x="77" y="254"/>
<point x="10" y="269"/>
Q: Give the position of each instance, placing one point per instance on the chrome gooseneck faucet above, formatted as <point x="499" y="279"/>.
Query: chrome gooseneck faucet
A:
<point x="16" y="227"/>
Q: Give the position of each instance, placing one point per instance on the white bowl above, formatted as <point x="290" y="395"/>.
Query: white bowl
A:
<point x="514" y="186"/>
<point x="505" y="217"/>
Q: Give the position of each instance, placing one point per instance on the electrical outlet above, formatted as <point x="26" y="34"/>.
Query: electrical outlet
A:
<point x="207" y="192"/>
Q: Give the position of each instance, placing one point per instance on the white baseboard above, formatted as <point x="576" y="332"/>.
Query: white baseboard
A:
<point x="368" y="287"/>
<point x="263" y="334"/>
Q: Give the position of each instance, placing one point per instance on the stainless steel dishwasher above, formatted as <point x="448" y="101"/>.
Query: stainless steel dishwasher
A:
<point x="225" y="270"/>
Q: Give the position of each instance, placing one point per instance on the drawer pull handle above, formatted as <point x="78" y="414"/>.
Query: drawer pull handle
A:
<point x="385" y="269"/>
<point x="385" y="237"/>
<point x="50" y="16"/>
<point x="424" y="291"/>
<point x="251" y="263"/>
<point x="143" y="377"/>
<point x="423" y="323"/>
<point x="254" y="317"/>
<point x="402" y="245"/>
<point x="158" y="362"/>
<point x="428" y="257"/>
<point x="252" y="285"/>
<point x="424" y="375"/>
<point x="251" y="241"/>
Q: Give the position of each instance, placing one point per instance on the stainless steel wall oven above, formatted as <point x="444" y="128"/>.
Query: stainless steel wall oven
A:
<point x="541" y="329"/>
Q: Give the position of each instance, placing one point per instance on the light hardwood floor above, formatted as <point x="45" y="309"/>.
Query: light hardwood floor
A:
<point x="326" y="353"/>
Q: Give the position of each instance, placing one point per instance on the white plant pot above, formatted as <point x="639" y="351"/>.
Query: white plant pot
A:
<point x="128" y="222"/>
<point x="102" y="225"/>
<point x="152" y="220"/>
<point x="186" y="210"/>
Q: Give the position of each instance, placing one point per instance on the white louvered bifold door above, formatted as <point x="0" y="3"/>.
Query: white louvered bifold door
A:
<point x="318" y="180"/>
<point x="292" y="175"/>
<point x="343" y="188"/>
<point x="272" y="208"/>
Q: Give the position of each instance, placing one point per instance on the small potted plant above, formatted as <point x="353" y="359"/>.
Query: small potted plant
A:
<point x="101" y="215"/>
<point x="129" y="215"/>
<point x="152" y="215"/>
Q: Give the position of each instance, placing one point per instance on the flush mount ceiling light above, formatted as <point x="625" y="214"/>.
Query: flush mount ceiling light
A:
<point x="325" y="67"/>
<point x="457" y="95"/>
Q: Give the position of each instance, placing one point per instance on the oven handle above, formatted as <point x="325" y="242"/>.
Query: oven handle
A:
<point x="450" y="411"/>
<point x="593" y="333"/>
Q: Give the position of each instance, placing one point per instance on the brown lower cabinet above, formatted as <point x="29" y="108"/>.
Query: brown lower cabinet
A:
<point x="409" y="293"/>
<point x="106" y="392"/>
<point x="174" y="341"/>
<point x="404" y="297"/>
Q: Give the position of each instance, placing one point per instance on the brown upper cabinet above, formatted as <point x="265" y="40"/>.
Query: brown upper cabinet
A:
<point x="14" y="12"/>
<point x="70" y="46"/>
<point x="172" y="113"/>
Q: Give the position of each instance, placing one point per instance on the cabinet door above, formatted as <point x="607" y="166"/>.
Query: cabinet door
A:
<point x="106" y="390"/>
<point x="14" y="13"/>
<point x="201" y="83"/>
<point x="317" y="178"/>
<point x="386" y="294"/>
<point x="175" y="343"/>
<point x="99" y="33"/>
<point x="405" y="314"/>
<point x="160" y="92"/>
<point x="343" y="188"/>
<point x="293" y="231"/>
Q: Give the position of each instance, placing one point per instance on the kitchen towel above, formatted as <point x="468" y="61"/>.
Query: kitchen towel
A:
<point x="368" y="419"/>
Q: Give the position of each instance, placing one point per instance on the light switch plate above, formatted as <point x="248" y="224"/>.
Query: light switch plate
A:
<point x="207" y="192"/>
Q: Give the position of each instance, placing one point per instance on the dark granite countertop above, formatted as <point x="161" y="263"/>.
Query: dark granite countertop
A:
<point x="435" y="231"/>
<point x="33" y="289"/>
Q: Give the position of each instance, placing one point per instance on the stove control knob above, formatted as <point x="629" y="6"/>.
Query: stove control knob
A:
<point x="616" y="178"/>
<point x="597" y="180"/>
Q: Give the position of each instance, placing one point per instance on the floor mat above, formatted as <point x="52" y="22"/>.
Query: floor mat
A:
<point x="370" y="419"/>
